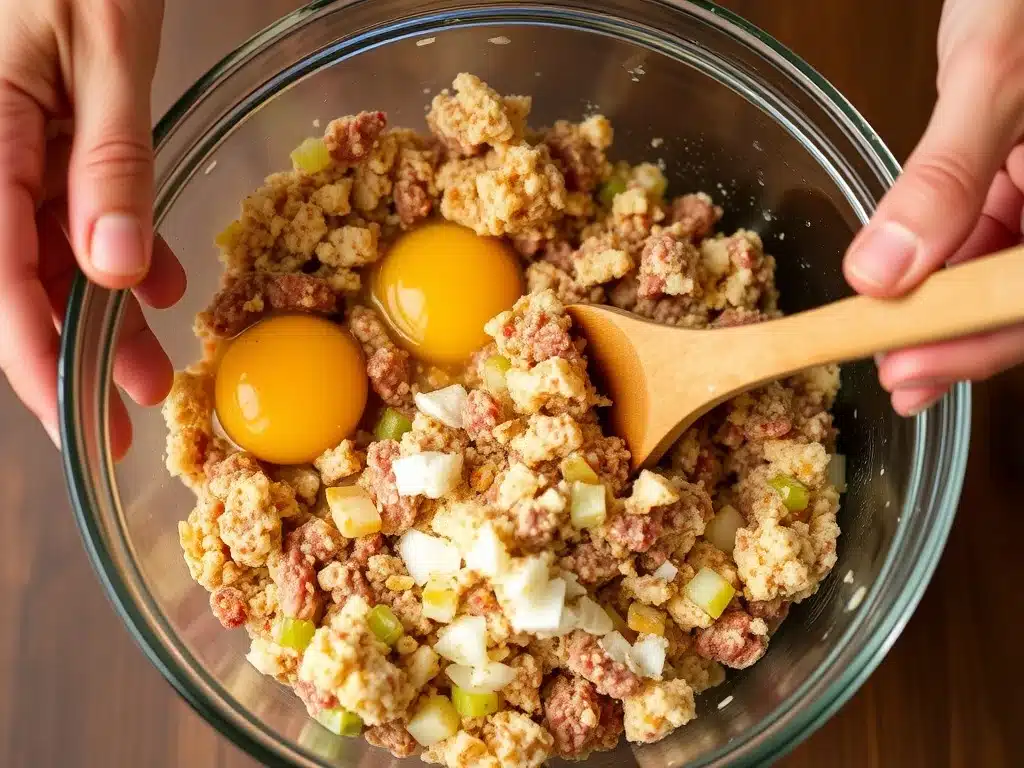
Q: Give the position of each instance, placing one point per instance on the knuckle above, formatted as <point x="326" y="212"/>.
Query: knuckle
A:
<point x="944" y="178"/>
<point x="118" y="158"/>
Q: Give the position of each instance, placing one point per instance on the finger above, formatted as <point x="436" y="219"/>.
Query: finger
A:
<point x="28" y="341"/>
<point x="972" y="358"/>
<point x="913" y="400"/>
<point x="57" y="266"/>
<point x="935" y="203"/>
<point x="110" y="178"/>
<point x="141" y="367"/>
<point x="999" y="225"/>
<point x="120" y="426"/>
<point x="165" y="282"/>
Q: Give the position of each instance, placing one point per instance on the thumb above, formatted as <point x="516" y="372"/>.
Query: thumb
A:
<point x="936" y="202"/>
<point x="110" y="175"/>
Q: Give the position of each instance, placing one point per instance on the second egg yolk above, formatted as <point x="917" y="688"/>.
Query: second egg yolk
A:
<point x="291" y="387"/>
<point x="439" y="284"/>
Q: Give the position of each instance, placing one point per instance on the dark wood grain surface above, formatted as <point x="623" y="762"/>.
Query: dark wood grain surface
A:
<point x="75" y="691"/>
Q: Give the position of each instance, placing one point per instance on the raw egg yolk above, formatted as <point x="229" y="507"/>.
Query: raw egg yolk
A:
<point x="291" y="387"/>
<point x="439" y="284"/>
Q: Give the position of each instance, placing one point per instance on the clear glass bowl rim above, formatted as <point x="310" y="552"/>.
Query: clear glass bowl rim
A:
<point x="816" y="699"/>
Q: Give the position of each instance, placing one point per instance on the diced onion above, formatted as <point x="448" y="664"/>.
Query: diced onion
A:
<point x="575" y="469"/>
<point x="587" y="506"/>
<point x="618" y="649"/>
<point x="525" y="577"/>
<point x="591" y="617"/>
<point x="488" y="555"/>
<point x="710" y="591"/>
<point x="464" y="641"/>
<point x="837" y="472"/>
<point x="492" y="676"/>
<point x="426" y="556"/>
<point x="440" y="600"/>
<point x="666" y="571"/>
<point x="721" y="529"/>
<point x="353" y="511"/>
<point x="445" y="405"/>
<point x="649" y="655"/>
<point x="311" y="156"/>
<point x="431" y="474"/>
<point x="435" y="720"/>
<point x="495" y="368"/>
<point x="540" y="611"/>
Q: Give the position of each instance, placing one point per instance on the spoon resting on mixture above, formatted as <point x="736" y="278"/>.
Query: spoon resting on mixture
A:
<point x="661" y="378"/>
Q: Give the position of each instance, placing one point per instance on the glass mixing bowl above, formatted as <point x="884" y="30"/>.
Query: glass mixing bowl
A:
<point x="729" y="111"/>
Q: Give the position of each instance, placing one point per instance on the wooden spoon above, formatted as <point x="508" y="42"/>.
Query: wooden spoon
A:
<point x="661" y="378"/>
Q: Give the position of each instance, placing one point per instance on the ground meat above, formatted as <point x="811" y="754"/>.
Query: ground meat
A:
<point x="542" y="276"/>
<point x="736" y="640"/>
<point x="390" y="375"/>
<point x="397" y="513"/>
<point x="414" y="190"/>
<point x="733" y="316"/>
<point x="480" y="601"/>
<point x="233" y="464"/>
<point x="559" y="254"/>
<point x="393" y="737"/>
<point x="343" y="580"/>
<point x="592" y="562"/>
<point x="772" y="611"/>
<point x="580" y="158"/>
<point x="536" y="329"/>
<point x="667" y="267"/>
<point x="246" y="298"/>
<point x="695" y="214"/>
<point x="480" y="414"/>
<point x="317" y="540"/>
<point x="314" y="699"/>
<point x="229" y="606"/>
<point x="536" y="522"/>
<point x="589" y="660"/>
<point x="607" y="456"/>
<point x="366" y="547"/>
<point x="524" y="691"/>
<point x="637" y="533"/>
<point x="579" y="718"/>
<point x="296" y="582"/>
<point x="350" y="139"/>
<point x="368" y="329"/>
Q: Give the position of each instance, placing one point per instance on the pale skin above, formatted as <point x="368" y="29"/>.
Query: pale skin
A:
<point x="76" y="178"/>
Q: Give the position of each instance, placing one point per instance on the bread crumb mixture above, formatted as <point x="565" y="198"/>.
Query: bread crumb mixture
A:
<point x="534" y="600"/>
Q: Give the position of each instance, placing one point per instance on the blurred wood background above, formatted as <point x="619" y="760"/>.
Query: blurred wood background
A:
<point x="75" y="690"/>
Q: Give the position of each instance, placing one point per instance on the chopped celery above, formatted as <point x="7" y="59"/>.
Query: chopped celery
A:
<point x="295" y="633"/>
<point x="794" y="493"/>
<point x="721" y="529"/>
<point x="311" y="156"/>
<point x="391" y="425"/>
<point x="710" y="591"/>
<point x="434" y="721"/>
<point x="645" y="619"/>
<point x="440" y="601"/>
<point x="473" y="704"/>
<point x="340" y="721"/>
<point x="575" y="469"/>
<point x="384" y="624"/>
<point x="587" y="505"/>
<point x="614" y="186"/>
<point x="495" y="368"/>
<point x="353" y="511"/>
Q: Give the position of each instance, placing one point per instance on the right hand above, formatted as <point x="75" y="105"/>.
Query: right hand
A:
<point x="960" y="196"/>
<point x="81" y="198"/>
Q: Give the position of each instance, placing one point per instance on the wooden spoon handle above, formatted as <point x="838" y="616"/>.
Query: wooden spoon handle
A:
<point x="979" y="295"/>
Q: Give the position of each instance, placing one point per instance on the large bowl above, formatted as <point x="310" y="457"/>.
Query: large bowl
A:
<point x="739" y="116"/>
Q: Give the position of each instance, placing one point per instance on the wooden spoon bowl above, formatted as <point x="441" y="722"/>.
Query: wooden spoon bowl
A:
<point x="661" y="378"/>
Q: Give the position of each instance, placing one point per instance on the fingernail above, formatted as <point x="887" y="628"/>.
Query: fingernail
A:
<point x="924" y="405"/>
<point x="118" y="247"/>
<point x="51" y="430"/>
<point x="884" y="254"/>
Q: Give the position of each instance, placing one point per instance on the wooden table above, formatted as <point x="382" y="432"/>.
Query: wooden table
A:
<point x="75" y="691"/>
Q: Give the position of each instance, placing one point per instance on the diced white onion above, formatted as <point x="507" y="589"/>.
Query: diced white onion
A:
<point x="837" y="472"/>
<point x="445" y="405"/>
<point x="721" y="529"/>
<point x="488" y="555"/>
<point x="526" y="576"/>
<point x="464" y="641"/>
<point x="540" y="611"/>
<point x="492" y="676"/>
<point x="666" y="571"/>
<point x="649" y="655"/>
<point x="426" y="556"/>
<point x="618" y="649"/>
<point x="431" y="474"/>
<point x="591" y="617"/>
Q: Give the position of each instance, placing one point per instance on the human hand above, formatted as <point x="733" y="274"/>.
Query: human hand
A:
<point x="960" y="196"/>
<point x="80" y="197"/>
